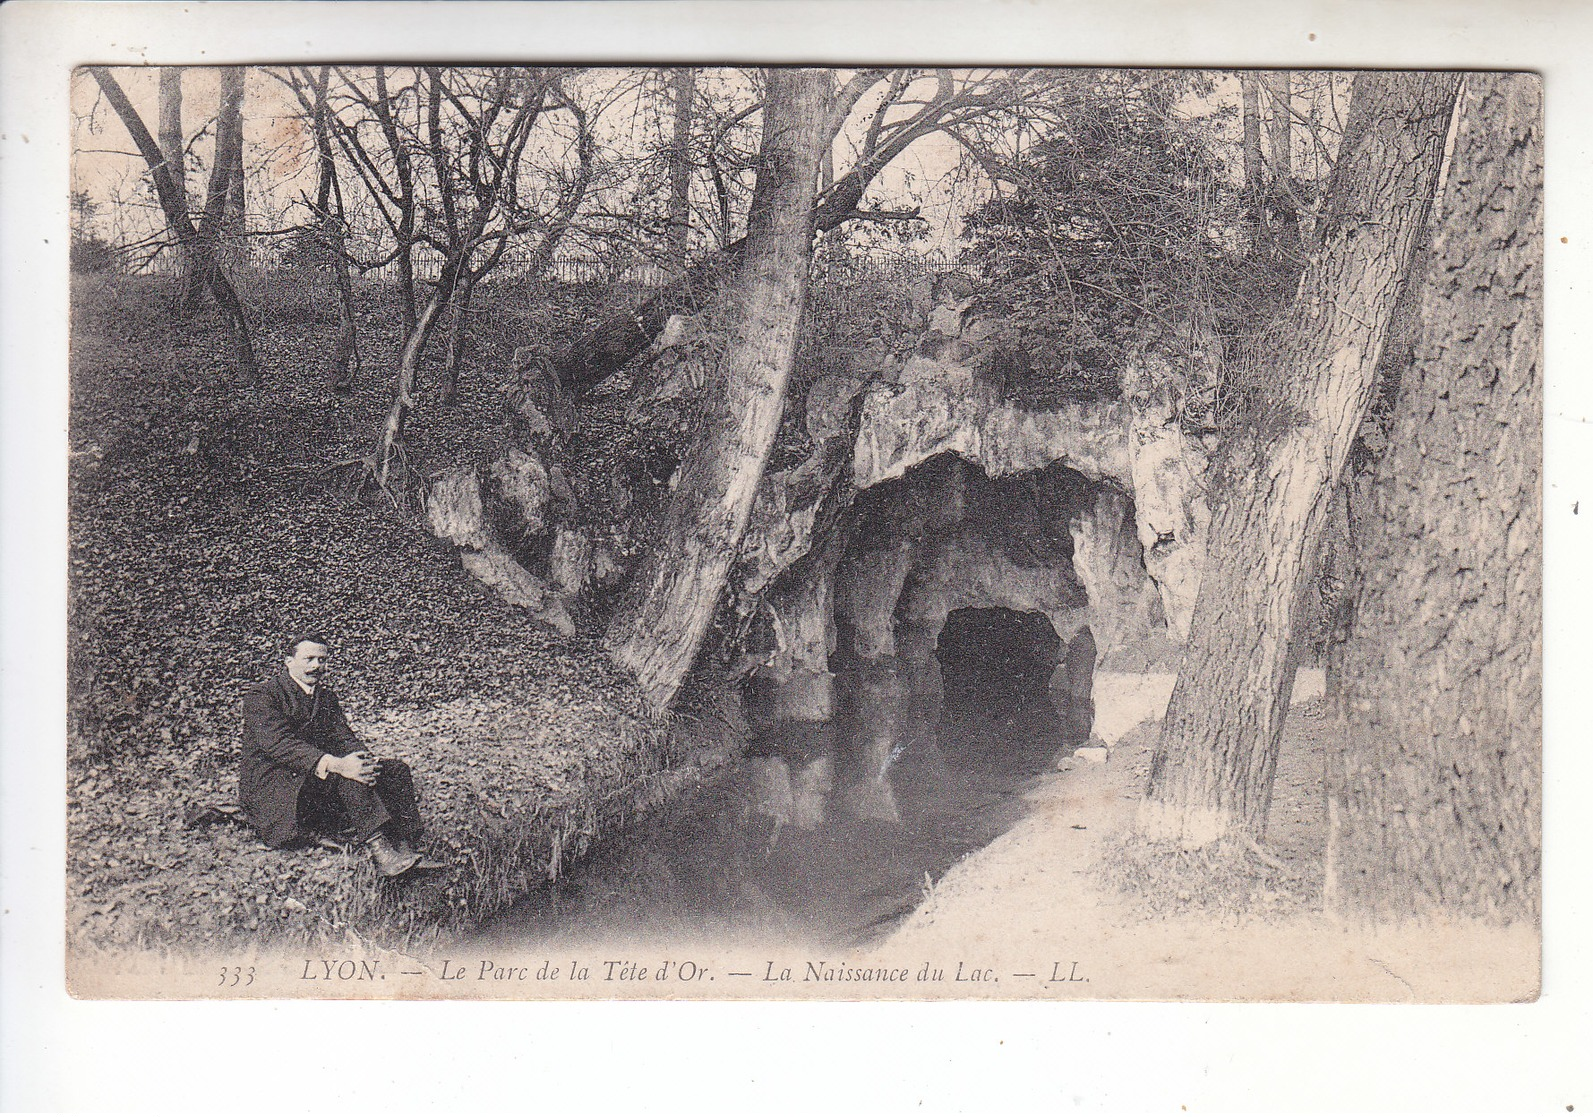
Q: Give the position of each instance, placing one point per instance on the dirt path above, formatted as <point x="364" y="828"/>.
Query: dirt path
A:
<point x="1034" y="902"/>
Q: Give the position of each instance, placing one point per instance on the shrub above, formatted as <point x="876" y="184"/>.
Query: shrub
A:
<point x="91" y="255"/>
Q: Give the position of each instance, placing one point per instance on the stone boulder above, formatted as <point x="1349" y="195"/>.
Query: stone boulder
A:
<point x="941" y="407"/>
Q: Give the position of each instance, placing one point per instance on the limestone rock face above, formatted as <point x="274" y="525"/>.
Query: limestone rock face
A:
<point x="974" y="571"/>
<point x="1135" y="511"/>
<point x="516" y="585"/>
<point x="1172" y="518"/>
<point x="571" y="560"/>
<point x="1107" y="559"/>
<point x="794" y="515"/>
<point x="802" y="617"/>
<point x="948" y="538"/>
<point x="940" y="406"/>
<point x="869" y="585"/>
<point x="454" y="509"/>
<point x="523" y="487"/>
<point x="1168" y="474"/>
<point x="789" y="513"/>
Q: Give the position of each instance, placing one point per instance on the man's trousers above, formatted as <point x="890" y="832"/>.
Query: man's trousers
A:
<point x="338" y="803"/>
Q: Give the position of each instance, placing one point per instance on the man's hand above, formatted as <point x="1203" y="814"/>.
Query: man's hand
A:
<point x="358" y="766"/>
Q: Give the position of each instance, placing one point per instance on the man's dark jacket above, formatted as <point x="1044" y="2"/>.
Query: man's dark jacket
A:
<point x="285" y="734"/>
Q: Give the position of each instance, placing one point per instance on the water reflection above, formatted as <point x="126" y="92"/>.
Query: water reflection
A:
<point x="828" y="832"/>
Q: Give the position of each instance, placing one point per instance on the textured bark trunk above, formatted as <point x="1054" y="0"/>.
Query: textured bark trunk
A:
<point x="1255" y="181"/>
<point x="1435" y="796"/>
<point x="174" y="205"/>
<point x="1286" y="220"/>
<point x="657" y="635"/>
<point x="1212" y="772"/>
<point x="458" y="335"/>
<point x="404" y="178"/>
<point x="174" y="153"/>
<point x="680" y="170"/>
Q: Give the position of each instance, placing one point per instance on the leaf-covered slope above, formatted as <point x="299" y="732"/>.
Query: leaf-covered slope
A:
<point x="205" y="523"/>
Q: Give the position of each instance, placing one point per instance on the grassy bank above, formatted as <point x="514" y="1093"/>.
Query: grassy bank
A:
<point x="206" y="522"/>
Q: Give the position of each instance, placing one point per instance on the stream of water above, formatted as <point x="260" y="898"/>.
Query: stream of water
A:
<point x="825" y="834"/>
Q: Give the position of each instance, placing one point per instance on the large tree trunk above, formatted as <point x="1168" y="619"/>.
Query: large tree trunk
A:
<point x="1435" y="797"/>
<point x="175" y="155"/>
<point x="1212" y="772"/>
<point x="175" y="207"/>
<point x="657" y="635"/>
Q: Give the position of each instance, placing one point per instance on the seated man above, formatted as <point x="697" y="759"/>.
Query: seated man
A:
<point x="303" y="768"/>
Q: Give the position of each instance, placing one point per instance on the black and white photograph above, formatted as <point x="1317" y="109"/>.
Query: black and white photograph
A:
<point x="546" y="531"/>
<point x="670" y="525"/>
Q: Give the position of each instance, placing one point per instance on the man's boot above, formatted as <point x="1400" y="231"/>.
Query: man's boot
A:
<point x="391" y="859"/>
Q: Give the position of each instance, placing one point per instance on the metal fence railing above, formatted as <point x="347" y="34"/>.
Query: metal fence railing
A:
<point x="899" y="267"/>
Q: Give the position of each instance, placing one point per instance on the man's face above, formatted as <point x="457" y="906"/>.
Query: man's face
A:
<point x="307" y="662"/>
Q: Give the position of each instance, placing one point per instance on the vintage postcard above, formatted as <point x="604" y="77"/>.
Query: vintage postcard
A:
<point x="731" y="532"/>
<point x="1004" y="546"/>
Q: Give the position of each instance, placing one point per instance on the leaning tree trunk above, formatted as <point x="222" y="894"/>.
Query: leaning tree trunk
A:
<point x="174" y="205"/>
<point x="1212" y="772"/>
<point x="1435" y="795"/>
<point x="389" y="466"/>
<point x="656" y="636"/>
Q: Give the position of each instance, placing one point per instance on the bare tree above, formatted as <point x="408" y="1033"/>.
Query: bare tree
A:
<point x="477" y="125"/>
<point x="657" y="635"/>
<point x="199" y="249"/>
<point x="607" y="345"/>
<point x="331" y="221"/>
<point x="217" y="226"/>
<point x="387" y="175"/>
